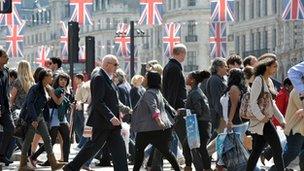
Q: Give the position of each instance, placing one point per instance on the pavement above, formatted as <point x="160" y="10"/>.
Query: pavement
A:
<point x="167" y="167"/>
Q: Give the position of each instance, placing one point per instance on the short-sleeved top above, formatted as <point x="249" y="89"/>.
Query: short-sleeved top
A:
<point x="21" y="94"/>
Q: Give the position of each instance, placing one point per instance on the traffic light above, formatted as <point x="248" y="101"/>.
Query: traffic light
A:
<point x="6" y="6"/>
<point x="73" y="41"/>
<point x="90" y="54"/>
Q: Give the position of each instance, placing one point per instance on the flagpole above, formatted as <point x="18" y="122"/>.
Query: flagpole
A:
<point x="132" y="49"/>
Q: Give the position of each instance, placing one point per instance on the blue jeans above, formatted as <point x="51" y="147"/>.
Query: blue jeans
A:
<point x="294" y="148"/>
<point x="79" y="124"/>
<point x="82" y="141"/>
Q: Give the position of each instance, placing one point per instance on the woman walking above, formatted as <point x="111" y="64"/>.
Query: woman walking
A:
<point x="197" y="102"/>
<point x="261" y="125"/>
<point x="36" y="115"/>
<point x="151" y="123"/>
<point x="59" y="105"/>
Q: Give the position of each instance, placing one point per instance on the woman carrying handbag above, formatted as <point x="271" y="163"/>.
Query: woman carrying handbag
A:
<point x="263" y="109"/>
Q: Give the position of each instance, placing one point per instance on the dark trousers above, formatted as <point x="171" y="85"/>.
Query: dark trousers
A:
<point x="63" y="129"/>
<point x="200" y="156"/>
<point x="271" y="137"/>
<point x="78" y="124"/>
<point x="180" y="129"/>
<point x="8" y="130"/>
<point x="99" y="138"/>
<point x="160" y="140"/>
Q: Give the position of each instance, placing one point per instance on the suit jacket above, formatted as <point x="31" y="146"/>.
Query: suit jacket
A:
<point x="104" y="105"/>
<point x="4" y="91"/>
<point x="174" y="86"/>
<point x="124" y="94"/>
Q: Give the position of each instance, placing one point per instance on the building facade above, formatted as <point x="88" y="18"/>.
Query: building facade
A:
<point x="259" y="29"/>
<point x="193" y="15"/>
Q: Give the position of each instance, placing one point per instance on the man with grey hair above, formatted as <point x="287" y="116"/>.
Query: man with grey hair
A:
<point x="104" y="118"/>
<point x="216" y="85"/>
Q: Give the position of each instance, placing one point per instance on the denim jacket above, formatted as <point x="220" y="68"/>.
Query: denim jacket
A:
<point x="36" y="104"/>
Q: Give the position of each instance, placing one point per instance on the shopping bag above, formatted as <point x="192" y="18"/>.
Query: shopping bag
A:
<point x="282" y="136"/>
<point x="234" y="154"/>
<point x="193" y="136"/>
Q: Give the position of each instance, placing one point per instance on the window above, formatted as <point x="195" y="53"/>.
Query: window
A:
<point x="258" y="41"/>
<point x="174" y="4"/>
<point x="274" y="6"/>
<point x="99" y="48"/>
<point x="237" y="10"/>
<point x="258" y="8"/>
<point x="243" y="10"/>
<point x="191" y="27"/>
<point x="191" y="3"/>
<point x="103" y="4"/>
<point x="243" y="43"/>
<point x="274" y="38"/>
<point x="251" y="15"/>
<point x="115" y="23"/>
<point x="191" y="61"/>
<point x="237" y="44"/>
<point x="108" y="21"/>
<point x="191" y="58"/>
<point x="265" y="39"/>
<point x="252" y="41"/>
<point x="265" y="7"/>
<point x="109" y="46"/>
<point x="179" y="3"/>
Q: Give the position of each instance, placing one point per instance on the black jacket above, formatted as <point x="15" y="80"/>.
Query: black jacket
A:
<point x="135" y="94"/>
<point x="174" y="86"/>
<point x="124" y="94"/>
<point x="104" y="105"/>
<point x="4" y="91"/>
<point x="36" y="103"/>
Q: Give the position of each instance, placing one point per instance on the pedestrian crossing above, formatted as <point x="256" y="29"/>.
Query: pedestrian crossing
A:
<point x="167" y="167"/>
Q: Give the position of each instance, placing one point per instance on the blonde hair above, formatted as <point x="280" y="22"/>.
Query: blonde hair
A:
<point x="137" y="80"/>
<point x="25" y="75"/>
<point x="158" y="68"/>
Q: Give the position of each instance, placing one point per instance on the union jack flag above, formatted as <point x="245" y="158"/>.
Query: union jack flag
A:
<point x="293" y="10"/>
<point x="81" y="11"/>
<point x="11" y="18"/>
<point x="218" y="40"/>
<point x="222" y="10"/>
<point x="64" y="41"/>
<point x="123" y="40"/>
<point x="171" y="37"/>
<point x="151" y="12"/>
<point x="14" y="40"/>
<point x="42" y="54"/>
<point x="82" y="54"/>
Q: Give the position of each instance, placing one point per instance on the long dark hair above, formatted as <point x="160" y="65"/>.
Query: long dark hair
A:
<point x="61" y="75"/>
<point x="264" y="61"/>
<point x="236" y="78"/>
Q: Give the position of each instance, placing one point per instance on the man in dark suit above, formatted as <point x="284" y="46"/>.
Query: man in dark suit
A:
<point x="5" y="117"/>
<point x="104" y="118"/>
<point x="174" y="90"/>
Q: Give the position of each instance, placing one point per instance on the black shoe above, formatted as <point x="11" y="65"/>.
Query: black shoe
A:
<point x="67" y="168"/>
<point x="46" y="163"/>
<point x="5" y="160"/>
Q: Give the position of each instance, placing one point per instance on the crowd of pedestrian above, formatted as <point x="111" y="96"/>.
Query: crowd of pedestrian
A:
<point x="143" y="122"/>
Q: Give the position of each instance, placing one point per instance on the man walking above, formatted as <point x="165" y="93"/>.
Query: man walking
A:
<point x="104" y="118"/>
<point x="174" y="90"/>
<point x="5" y="117"/>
